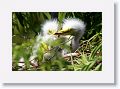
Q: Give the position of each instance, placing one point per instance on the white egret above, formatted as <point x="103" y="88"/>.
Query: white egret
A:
<point x="75" y="28"/>
<point x="47" y="30"/>
<point x="70" y="27"/>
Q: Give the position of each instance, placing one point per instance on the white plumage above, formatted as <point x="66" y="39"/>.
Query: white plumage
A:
<point x="73" y="27"/>
<point x="70" y="27"/>
<point x="47" y="30"/>
<point x="50" y="27"/>
<point x="72" y="23"/>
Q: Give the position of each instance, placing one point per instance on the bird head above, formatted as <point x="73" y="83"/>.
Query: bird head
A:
<point x="72" y="27"/>
<point x="50" y="27"/>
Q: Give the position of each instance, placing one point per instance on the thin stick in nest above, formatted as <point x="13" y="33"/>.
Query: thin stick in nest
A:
<point x="71" y="54"/>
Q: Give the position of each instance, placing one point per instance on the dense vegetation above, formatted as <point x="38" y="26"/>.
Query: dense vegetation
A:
<point x="27" y="25"/>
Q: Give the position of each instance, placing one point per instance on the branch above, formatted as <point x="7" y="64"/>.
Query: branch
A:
<point x="71" y="54"/>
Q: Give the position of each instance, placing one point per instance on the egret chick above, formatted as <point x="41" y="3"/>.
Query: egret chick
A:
<point x="46" y="36"/>
<point x="49" y="28"/>
<point x="75" y="28"/>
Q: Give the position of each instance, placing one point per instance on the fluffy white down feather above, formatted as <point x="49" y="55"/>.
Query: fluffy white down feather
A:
<point x="76" y="24"/>
<point x="78" y="27"/>
<point x="50" y="25"/>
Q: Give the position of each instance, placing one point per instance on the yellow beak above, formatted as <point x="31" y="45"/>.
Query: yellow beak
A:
<point x="63" y="32"/>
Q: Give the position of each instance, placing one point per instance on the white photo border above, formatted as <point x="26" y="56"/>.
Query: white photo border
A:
<point x="104" y="76"/>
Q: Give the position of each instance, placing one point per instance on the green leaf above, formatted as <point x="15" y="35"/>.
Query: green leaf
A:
<point x="93" y="53"/>
<point x="91" y="65"/>
<point x="98" y="67"/>
<point x="84" y="59"/>
<point x="47" y="14"/>
<point x="61" y="16"/>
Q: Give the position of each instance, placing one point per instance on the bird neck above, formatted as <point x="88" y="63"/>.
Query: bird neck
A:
<point x="75" y="43"/>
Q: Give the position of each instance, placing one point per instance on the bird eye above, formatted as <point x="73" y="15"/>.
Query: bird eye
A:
<point x="51" y="31"/>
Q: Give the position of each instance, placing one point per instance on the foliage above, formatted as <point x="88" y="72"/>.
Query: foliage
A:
<point x="27" y="25"/>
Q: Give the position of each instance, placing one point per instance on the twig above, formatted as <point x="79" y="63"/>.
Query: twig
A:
<point x="71" y="54"/>
<point x="72" y="61"/>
